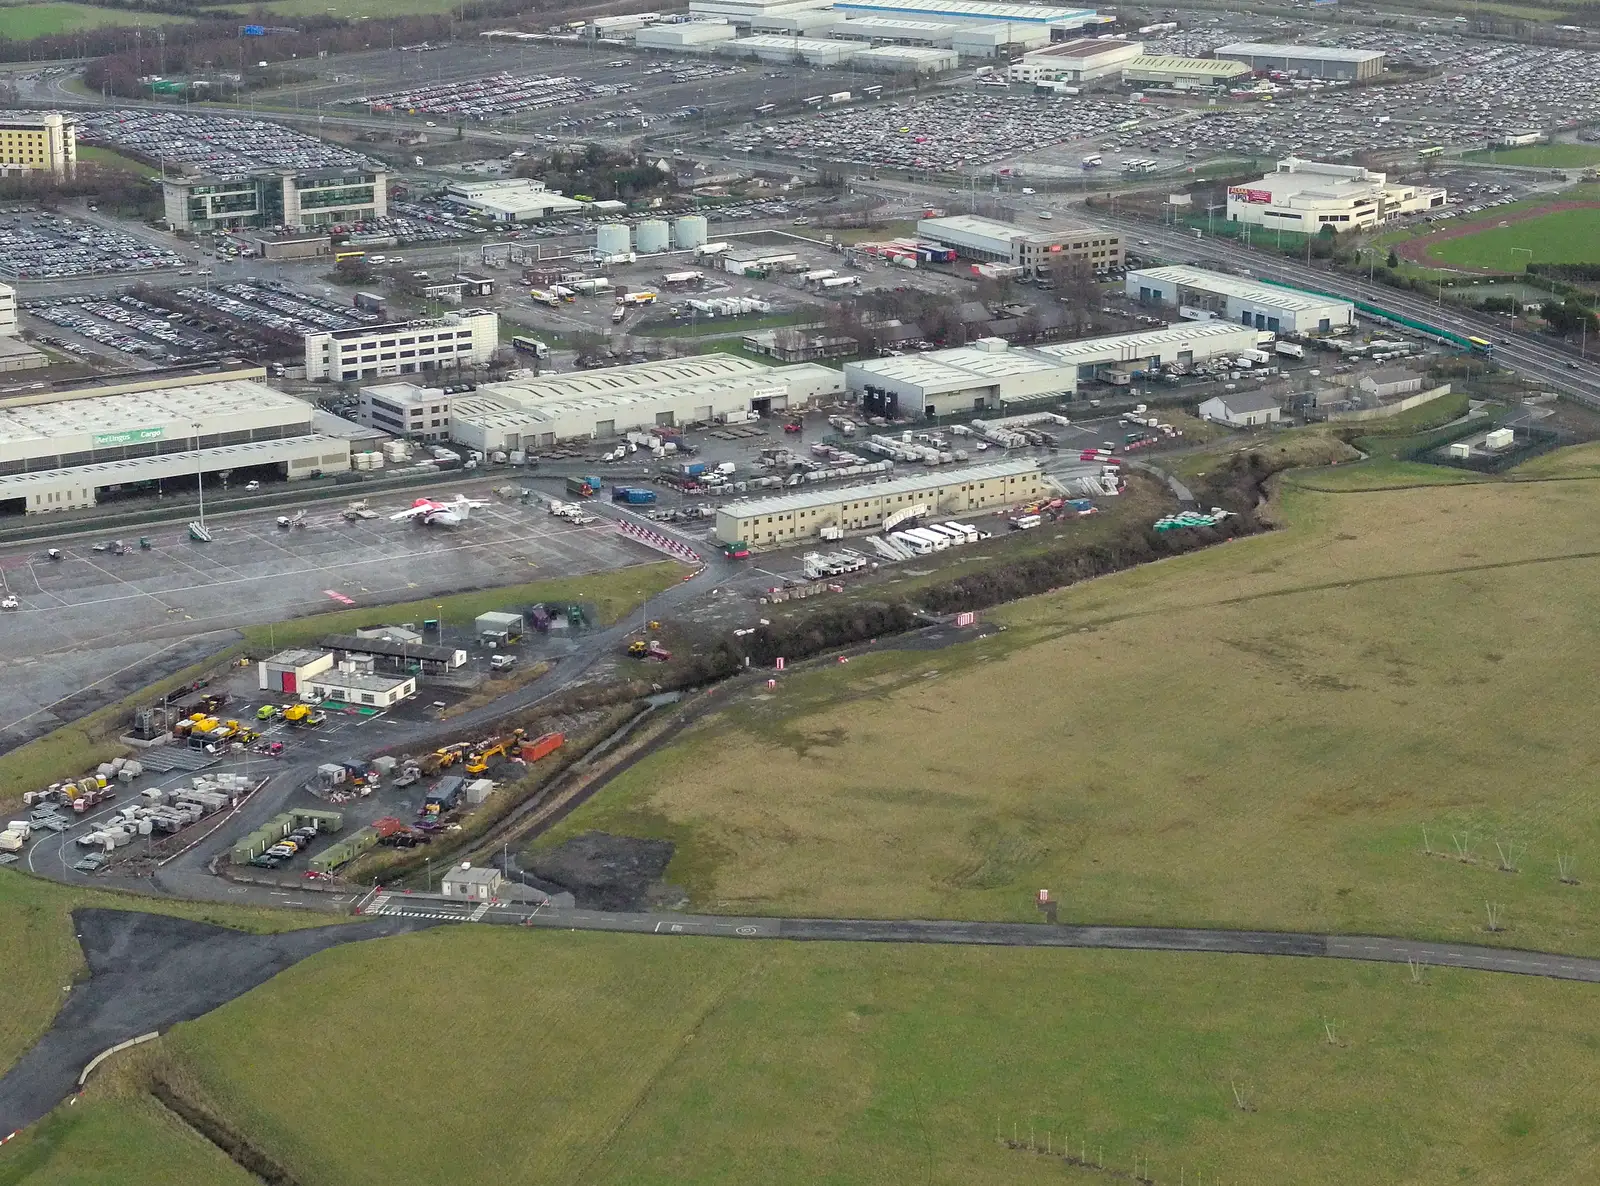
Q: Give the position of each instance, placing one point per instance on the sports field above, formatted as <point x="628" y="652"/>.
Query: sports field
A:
<point x="1562" y="236"/>
<point x="1554" y="156"/>
<point x="488" y="1054"/>
<point x="1269" y="734"/>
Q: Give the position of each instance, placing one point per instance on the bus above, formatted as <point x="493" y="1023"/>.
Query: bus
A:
<point x="531" y="346"/>
<point x="1481" y="346"/>
<point x="766" y="108"/>
<point x="1437" y="150"/>
<point x="339" y="257"/>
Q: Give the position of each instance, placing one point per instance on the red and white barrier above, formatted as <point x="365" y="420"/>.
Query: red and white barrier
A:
<point x="660" y="541"/>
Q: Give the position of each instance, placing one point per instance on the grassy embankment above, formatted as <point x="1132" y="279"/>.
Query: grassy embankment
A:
<point x="1269" y="734"/>
<point x="630" y="1059"/>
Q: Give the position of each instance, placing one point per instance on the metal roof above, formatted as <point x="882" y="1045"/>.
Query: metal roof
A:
<point x="1326" y="53"/>
<point x="354" y="644"/>
<point x="928" y="480"/>
<point x="1224" y="285"/>
<point x="1033" y="14"/>
<point x="1246" y="401"/>
<point x="1126" y="347"/>
<point x="73" y="413"/>
<point x="1168" y="64"/>
<point x="170" y="465"/>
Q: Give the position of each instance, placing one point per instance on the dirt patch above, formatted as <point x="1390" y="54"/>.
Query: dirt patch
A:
<point x="1417" y="250"/>
<point x="606" y="872"/>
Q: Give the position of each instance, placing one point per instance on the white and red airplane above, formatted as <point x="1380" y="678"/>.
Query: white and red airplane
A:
<point x="433" y="513"/>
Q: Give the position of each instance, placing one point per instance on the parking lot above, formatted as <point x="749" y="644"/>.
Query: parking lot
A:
<point x="212" y="143"/>
<point x="44" y="246"/>
<point x="94" y="626"/>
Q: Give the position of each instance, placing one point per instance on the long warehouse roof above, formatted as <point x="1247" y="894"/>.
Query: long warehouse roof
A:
<point x="167" y="465"/>
<point x="1033" y="14"/>
<point x="74" y="413"/>
<point x="1328" y="53"/>
<point x="784" y="503"/>
<point x="1168" y="64"/>
<point x="640" y="377"/>
<point x="1217" y="282"/>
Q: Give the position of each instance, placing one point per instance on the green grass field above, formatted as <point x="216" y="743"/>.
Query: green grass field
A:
<point x="1554" y="156"/>
<point x="109" y="158"/>
<point x="23" y="21"/>
<point x="472" y="1054"/>
<point x="1256" y="735"/>
<point x="1562" y="237"/>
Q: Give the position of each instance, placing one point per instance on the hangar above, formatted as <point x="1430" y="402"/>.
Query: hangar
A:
<point x="67" y="449"/>
<point x="1313" y="61"/>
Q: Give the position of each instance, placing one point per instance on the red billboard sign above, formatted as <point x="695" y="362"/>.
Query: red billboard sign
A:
<point x="1259" y="196"/>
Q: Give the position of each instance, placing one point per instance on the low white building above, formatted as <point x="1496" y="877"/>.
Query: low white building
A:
<point x="988" y="374"/>
<point x="285" y="673"/>
<point x="907" y="59"/>
<point x="1390" y="382"/>
<point x="1080" y="60"/>
<point x="813" y="51"/>
<point x="687" y="35"/>
<point x="1199" y="295"/>
<point x="8" y="311"/>
<point x="406" y="410"/>
<point x="1306" y="196"/>
<point x="467" y="338"/>
<point x="471" y="883"/>
<point x="355" y="682"/>
<point x="539" y="411"/>
<point x="1241" y="409"/>
<point x="511" y="199"/>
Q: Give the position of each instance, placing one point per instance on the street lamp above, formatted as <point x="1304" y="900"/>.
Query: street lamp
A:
<point x="199" y="474"/>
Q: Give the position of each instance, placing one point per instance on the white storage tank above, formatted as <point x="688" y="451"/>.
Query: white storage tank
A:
<point x="612" y="239"/>
<point x="651" y="235"/>
<point x="690" y="231"/>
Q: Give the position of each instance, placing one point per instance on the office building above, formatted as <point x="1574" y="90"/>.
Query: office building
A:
<point x="467" y="338"/>
<point x="317" y="198"/>
<point x="1034" y="251"/>
<point x="1306" y="196"/>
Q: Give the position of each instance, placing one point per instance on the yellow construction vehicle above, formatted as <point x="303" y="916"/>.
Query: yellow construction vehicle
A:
<point x="296" y="714"/>
<point x="638" y="647"/>
<point x="479" y="762"/>
<point x="450" y="754"/>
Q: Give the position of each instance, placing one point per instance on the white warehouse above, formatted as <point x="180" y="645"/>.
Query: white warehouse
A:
<point x="67" y="449"/>
<point x="1200" y="295"/>
<point x="538" y="412"/>
<point x="989" y="374"/>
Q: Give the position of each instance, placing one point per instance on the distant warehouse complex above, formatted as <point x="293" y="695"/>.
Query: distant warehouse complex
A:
<point x="989" y="374"/>
<point x="1201" y="295"/>
<point x="68" y="449"/>
<point x="1311" y="61"/>
<point x="789" y="518"/>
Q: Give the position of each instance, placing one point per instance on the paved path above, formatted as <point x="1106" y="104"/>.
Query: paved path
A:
<point x="1004" y="934"/>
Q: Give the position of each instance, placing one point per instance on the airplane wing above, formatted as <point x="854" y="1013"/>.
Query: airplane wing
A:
<point x="412" y="512"/>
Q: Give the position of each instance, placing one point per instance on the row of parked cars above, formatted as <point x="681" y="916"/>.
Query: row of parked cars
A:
<point x="286" y="849"/>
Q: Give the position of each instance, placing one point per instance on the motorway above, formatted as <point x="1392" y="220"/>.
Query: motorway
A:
<point x="1369" y="948"/>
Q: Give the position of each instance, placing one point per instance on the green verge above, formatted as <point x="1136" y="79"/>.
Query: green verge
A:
<point x="633" y="1059"/>
<point x="1561" y="237"/>
<point x="22" y="22"/>
<point x="1555" y="156"/>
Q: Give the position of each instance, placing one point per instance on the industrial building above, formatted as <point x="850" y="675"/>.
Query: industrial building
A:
<point x="44" y="141"/>
<point x="355" y="681"/>
<point x="882" y="30"/>
<point x="747" y="14"/>
<point x="66" y="449"/>
<point x="471" y="883"/>
<point x="539" y="411"/>
<point x="1080" y="60"/>
<point x="1312" y="61"/>
<point x="908" y="59"/>
<point x="792" y="518"/>
<point x="989" y="374"/>
<point x="1200" y="295"/>
<point x="289" y="671"/>
<point x="1390" y="382"/>
<point x="396" y="655"/>
<point x="406" y="410"/>
<point x="1033" y="251"/>
<point x="1056" y="21"/>
<point x="1306" y="196"/>
<point x="511" y="199"/>
<point x="467" y="338"/>
<point x="813" y="51"/>
<point x="17" y="355"/>
<point x="689" y="35"/>
<point x="8" y="311"/>
<point x="277" y="197"/>
<point x="1181" y="74"/>
<point x="1241" y="409"/>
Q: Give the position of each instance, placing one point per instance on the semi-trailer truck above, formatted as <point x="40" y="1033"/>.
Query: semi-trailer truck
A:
<point x="632" y="495"/>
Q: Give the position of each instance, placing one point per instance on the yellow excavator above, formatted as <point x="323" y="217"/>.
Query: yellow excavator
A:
<point x="479" y="762"/>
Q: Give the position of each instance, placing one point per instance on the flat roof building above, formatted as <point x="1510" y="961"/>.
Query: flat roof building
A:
<point x="397" y="656"/>
<point x="909" y="59"/>
<point x="64" y="449"/>
<point x="1181" y="74"/>
<point x="1313" y="61"/>
<point x="539" y="411"/>
<point x="1034" y="251"/>
<point x="884" y="30"/>
<point x="275" y="197"/>
<point x="406" y="410"/>
<point x="1201" y="294"/>
<point x="688" y="35"/>
<point x="989" y="374"/>
<point x="1306" y="196"/>
<point x="511" y="199"/>
<point x="1082" y="59"/>
<point x="345" y="684"/>
<point x="467" y="338"/>
<point x="791" y="518"/>
<point x="38" y="141"/>
<point x="1241" y="409"/>
<point x="471" y="883"/>
<point x="813" y="51"/>
<point x="983" y="12"/>
<point x="8" y="311"/>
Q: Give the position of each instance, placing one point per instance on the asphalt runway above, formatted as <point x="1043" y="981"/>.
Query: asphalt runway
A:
<point x="147" y="973"/>
<point x="95" y="626"/>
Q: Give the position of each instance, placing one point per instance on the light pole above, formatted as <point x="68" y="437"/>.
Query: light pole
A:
<point x="199" y="475"/>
